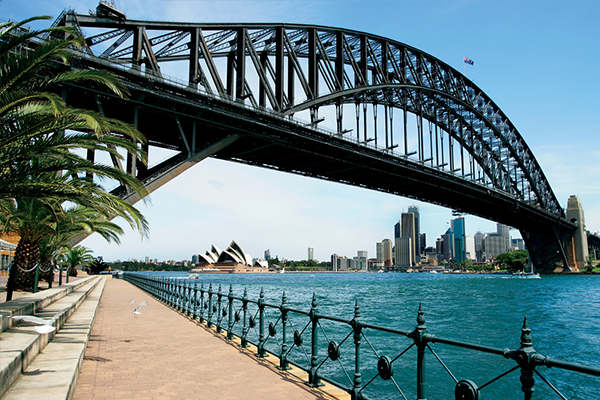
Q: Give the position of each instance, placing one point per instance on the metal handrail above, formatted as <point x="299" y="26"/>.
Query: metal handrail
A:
<point x="248" y="319"/>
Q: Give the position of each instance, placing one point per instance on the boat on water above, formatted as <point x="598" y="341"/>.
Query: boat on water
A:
<point x="527" y="273"/>
<point x="282" y="271"/>
<point x="193" y="276"/>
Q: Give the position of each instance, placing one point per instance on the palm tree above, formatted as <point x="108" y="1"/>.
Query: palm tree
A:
<point x="36" y="126"/>
<point x="76" y="256"/>
<point x="39" y="171"/>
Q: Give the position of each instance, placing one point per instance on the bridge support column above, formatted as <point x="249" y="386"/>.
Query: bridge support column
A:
<point x="578" y="249"/>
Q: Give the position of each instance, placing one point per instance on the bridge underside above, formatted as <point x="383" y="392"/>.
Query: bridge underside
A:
<point x="200" y="126"/>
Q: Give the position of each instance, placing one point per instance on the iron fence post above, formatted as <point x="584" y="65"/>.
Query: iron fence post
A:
<point x="195" y="302"/>
<point x="245" y="326"/>
<point x="36" y="278"/>
<point x="261" y="322"/>
<point x="357" y="328"/>
<point x="201" y="302"/>
<point x="230" y="325"/>
<point x="313" y="377"/>
<point x="209" y="315"/>
<point x="284" y="365"/>
<point x="420" y="337"/>
<point x="219" y="316"/>
<point x="527" y="358"/>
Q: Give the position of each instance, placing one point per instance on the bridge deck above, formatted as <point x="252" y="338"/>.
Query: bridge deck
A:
<point x="164" y="355"/>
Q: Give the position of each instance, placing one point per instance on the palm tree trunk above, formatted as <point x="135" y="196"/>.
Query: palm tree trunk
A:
<point x="23" y="272"/>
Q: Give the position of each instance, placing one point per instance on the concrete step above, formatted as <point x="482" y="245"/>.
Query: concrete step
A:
<point x="35" y="302"/>
<point x="22" y="345"/>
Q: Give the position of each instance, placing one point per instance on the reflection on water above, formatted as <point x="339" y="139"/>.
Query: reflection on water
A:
<point x="563" y="313"/>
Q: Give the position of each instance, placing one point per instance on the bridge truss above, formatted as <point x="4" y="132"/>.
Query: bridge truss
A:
<point x="324" y="102"/>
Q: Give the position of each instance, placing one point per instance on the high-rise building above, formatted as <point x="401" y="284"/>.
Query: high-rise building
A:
<point x="448" y="245"/>
<point x="458" y="227"/>
<point x="267" y="254"/>
<point x="379" y="254"/>
<point x="339" y="263"/>
<point x="361" y="260"/>
<point x="387" y="252"/>
<point x="408" y="231"/>
<point x="418" y="247"/>
<point x="479" y="253"/>
<point x="311" y="254"/>
<point x="422" y="242"/>
<point x="403" y="252"/>
<point x="470" y="248"/>
<point x="504" y="231"/>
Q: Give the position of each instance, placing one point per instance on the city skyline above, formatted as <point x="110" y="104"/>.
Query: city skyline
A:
<point x="216" y="201"/>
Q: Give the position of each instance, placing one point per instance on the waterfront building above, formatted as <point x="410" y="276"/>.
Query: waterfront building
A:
<point x="418" y="246"/>
<point x="339" y="263"/>
<point x="459" y="229"/>
<point x="387" y="252"/>
<point x="311" y="254"/>
<point x="362" y="260"/>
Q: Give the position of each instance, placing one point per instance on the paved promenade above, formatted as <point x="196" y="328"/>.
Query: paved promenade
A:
<point x="164" y="355"/>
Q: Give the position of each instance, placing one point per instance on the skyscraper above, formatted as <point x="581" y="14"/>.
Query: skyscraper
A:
<point x="408" y="231"/>
<point x="311" y="253"/>
<point x="379" y="254"/>
<point x="267" y="254"/>
<point x="387" y="252"/>
<point x="418" y="248"/>
<point x="460" y="238"/>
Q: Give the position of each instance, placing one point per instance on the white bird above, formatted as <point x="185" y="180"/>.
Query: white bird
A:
<point x="136" y="309"/>
<point x="46" y="325"/>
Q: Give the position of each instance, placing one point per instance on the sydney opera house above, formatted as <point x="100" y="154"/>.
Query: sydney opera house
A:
<point x="231" y="260"/>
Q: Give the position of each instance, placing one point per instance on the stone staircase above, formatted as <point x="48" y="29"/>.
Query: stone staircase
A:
<point x="34" y="365"/>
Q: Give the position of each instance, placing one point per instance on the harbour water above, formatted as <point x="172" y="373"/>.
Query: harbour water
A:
<point x="563" y="313"/>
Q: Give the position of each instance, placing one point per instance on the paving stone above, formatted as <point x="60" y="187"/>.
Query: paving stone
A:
<point x="164" y="355"/>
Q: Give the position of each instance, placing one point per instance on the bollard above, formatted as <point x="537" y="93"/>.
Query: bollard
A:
<point x="36" y="278"/>
<point x="357" y="327"/>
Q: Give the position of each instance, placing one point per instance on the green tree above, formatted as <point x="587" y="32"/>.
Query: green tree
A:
<point x="76" y="256"/>
<point x="513" y="260"/>
<point x="38" y="132"/>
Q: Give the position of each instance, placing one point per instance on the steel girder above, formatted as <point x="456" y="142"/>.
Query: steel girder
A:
<point x="289" y="69"/>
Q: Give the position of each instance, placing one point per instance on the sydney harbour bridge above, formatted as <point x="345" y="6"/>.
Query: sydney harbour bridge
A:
<point x="328" y="103"/>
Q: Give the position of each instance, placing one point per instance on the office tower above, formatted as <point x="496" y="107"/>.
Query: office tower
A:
<point x="418" y="247"/>
<point x="458" y="227"/>
<point x="334" y="262"/>
<point x="408" y="231"/>
<point x="379" y="246"/>
<point x="267" y="254"/>
<point x="404" y="252"/>
<point x="422" y="242"/>
<point x="387" y="252"/>
<point x="479" y="253"/>
<point x="504" y="232"/>
<point x="470" y="248"/>
<point x="448" y="245"/>
<point x="311" y="254"/>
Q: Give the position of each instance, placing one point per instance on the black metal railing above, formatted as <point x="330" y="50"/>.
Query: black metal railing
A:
<point x="281" y="330"/>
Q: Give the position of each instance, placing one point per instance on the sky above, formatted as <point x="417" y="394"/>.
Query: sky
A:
<point x="537" y="60"/>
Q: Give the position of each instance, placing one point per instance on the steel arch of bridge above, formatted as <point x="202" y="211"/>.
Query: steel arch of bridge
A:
<point x="290" y="70"/>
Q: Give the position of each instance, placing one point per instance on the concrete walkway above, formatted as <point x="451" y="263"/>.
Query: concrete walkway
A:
<point x="164" y="355"/>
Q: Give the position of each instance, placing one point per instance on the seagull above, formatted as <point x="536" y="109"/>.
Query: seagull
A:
<point x="136" y="310"/>
<point x="45" y="325"/>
